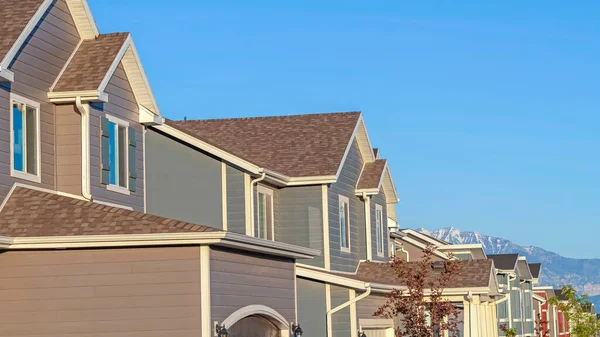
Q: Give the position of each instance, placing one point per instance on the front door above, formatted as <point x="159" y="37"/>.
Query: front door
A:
<point x="254" y="326"/>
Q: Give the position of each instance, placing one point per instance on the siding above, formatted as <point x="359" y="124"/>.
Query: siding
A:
<point x="340" y="321"/>
<point x="380" y="200"/>
<point x="365" y="308"/>
<point x="36" y="66"/>
<point x="182" y="183"/>
<point x="312" y="307"/>
<point x="415" y="254"/>
<point x="236" y="208"/>
<point x="147" y="292"/>
<point x="346" y="186"/>
<point x="241" y="279"/>
<point x="301" y="219"/>
<point x="122" y="104"/>
<point x="68" y="149"/>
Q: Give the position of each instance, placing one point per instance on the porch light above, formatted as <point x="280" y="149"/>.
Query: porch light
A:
<point x="361" y="334"/>
<point x="222" y="331"/>
<point x="297" y="330"/>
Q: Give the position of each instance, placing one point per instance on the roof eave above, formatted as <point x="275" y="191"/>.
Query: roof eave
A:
<point x="6" y="75"/>
<point x="71" y="96"/>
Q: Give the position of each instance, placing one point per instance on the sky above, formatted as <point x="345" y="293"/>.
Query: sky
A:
<point x="488" y="112"/>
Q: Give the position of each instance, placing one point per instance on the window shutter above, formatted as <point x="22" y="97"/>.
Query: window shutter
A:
<point x="131" y="155"/>
<point x="105" y="165"/>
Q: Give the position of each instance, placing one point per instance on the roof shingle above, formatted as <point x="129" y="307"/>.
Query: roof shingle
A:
<point x="14" y="16"/>
<point x="535" y="269"/>
<point x="33" y="213"/>
<point x="505" y="261"/>
<point x="91" y="62"/>
<point x="473" y="273"/>
<point x="296" y="146"/>
<point x="371" y="174"/>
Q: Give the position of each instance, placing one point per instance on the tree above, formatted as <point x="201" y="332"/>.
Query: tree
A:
<point x="508" y="332"/>
<point x="576" y="310"/>
<point x="420" y="308"/>
<point x="541" y="326"/>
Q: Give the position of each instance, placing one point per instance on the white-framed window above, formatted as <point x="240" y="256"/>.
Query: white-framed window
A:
<point x="344" y="215"/>
<point x="25" y="157"/>
<point x="379" y="235"/>
<point x="266" y="223"/>
<point x="118" y="155"/>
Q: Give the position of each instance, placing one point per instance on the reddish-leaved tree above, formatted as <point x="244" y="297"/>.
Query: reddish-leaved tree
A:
<point x="541" y="326"/>
<point x="420" y="308"/>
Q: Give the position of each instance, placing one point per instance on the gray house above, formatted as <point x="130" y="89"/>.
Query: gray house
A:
<point x="78" y="254"/>
<point x="308" y="180"/>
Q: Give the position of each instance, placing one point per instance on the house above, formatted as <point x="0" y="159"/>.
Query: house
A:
<point x="410" y="244"/>
<point x="547" y="312"/>
<point x="309" y="180"/>
<point x="79" y="253"/>
<point x="515" y="277"/>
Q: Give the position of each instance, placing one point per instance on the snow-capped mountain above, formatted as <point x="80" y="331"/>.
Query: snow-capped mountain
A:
<point x="557" y="270"/>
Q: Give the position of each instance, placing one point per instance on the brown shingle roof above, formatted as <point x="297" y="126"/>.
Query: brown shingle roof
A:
<point x="14" y="16"/>
<point x="33" y="213"/>
<point x="535" y="269"/>
<point x="296" y="146"/>
<point x="91" y="62"/>
<point x="504" y="261"/>
<point x="474" y="273"/>
<point x="371" y="174"/>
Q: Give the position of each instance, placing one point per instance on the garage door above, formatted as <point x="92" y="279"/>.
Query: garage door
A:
<point x="253" y="326"/>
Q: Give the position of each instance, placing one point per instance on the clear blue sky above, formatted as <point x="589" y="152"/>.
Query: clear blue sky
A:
<point x="488" y="113"/>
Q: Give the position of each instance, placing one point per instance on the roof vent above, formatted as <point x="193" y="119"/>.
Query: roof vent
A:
<point x="438" y="266"/>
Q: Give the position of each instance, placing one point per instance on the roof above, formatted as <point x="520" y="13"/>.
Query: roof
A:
<point x="14" y="17"/>
<point x="535" y="269"/>
<point x="296" y="146"/>
<point x="505" y="261"/>
<point x="559" y="295"/>
<point x="33" y="213"/>
<point x="90" y="63"/>
<point x="372" y="174"/>
<point x="474" y="273"/>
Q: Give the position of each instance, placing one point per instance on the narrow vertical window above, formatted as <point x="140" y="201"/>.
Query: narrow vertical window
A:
<point x="265" y="225"/>
<point x="118" y="144"/>
<point x="379" y="235"/>
<point x="344" y="209"/>
<point x="25" y="141"/>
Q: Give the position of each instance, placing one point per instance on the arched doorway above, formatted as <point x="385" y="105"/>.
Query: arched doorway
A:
<point x="256" y="321"/>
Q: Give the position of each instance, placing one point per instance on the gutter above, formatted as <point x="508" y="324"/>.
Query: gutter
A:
<point x="85" y="149"/>
<point x="344" y="305"/>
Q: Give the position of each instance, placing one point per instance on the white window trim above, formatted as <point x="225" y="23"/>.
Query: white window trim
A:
<point x="381" y="230"/>
<point x="347" y="201"/>
<point x="18" y="174"/>
<point x="112" y="187"/>
<point x="269" y="192"/>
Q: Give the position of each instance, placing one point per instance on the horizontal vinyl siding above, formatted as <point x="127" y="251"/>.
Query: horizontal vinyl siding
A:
<point x="236" y="207"/>
<point x="340" y="320"/>
<point x="36" y="66"/>
<point x="182" y="183"/>
<point x="239" y="279"/>
<point x="346" y="186"/>
<point x="122" y="104"/>
<point x="68" y="149"/>
<point x="301" y="219"/>
<point x="312" y="307"/>
<point x="365" y="308"/>
<point x="106" y="292"/>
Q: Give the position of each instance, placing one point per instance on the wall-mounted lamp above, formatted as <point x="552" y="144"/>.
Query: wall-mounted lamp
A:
<point x="221" y="331"/>
<point x="361" y="334"/>
<point x="297" y="330"/>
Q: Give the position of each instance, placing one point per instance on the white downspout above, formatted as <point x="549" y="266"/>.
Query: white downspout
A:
<point x="85" y="149"/>
<point x="470" y="299"/>
<point x="344" y="305"/>
<point x="261" y="178"/>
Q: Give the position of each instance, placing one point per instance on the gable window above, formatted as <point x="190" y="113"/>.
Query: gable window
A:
<point x="379" y="229"/>
<point x="265" y="214"/>
<point x="25" y="138"/>
<point x="344" y="210"/>
<point x="118" y="155"/>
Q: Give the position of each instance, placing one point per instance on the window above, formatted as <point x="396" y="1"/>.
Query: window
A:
<point x="379" y="229"/>
<point x="265" y="214"/>
<point x="25" y="138"/>
<point x="344" y="209"/>
<point x="118" y="155"/>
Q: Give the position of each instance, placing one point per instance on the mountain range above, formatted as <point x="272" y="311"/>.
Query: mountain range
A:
<point x="583" y="274"/>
